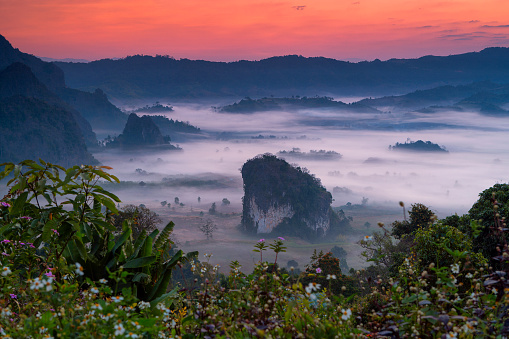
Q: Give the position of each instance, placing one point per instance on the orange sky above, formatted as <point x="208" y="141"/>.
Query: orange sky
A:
<point x="228" y="30"/>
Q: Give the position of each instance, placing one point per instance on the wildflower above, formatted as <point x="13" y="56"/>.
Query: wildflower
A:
<point x="132" y="335"/>
<point x="143" y="304"/>
<point x="346" y="314"/>
<point x="312" y="296"/>
<point x="318" y="270"/>
<point x="36" y="284"/>
<point x="49" y="275"/>
<point x="281" y="238"/>
<point x="26" y="217"/>
<point x="117" y="299"/>
<point x="103" y="281"/>
<point x="79" y="269"/>
<point x="312" y="287"/>
<point x="469" y="326"/>
<point x="13" y="296"/>
<point x="261" y="240"/>
<point x="97" y="306"/>
<point x="454" y="280"/>
<point x="48" y="285"/>
<point x="5" y="204"/>
<point x="331" y="276"/>
<point x="94" y="290"/>
<point x="216" y="268"/>
<point x="203" y="270"/>
<point x="368" y="238"/>
<point x="119" y="329"/>
<point x="451" y="335"/>
<point x="469" y="276"/>
<point x="3" y="253"/>
<point x="6" y="271"/>
<point x="5" y="241"/>
<point x="55" y="231"/>
<point x="6" y="312"/>
<point x="455" y="268"/>
<point x="136" y="324"/>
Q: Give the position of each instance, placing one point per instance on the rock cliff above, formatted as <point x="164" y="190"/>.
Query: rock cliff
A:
<point x="286" y="200"/>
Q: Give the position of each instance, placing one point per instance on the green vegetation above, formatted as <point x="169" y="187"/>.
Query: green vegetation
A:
<point x="67" y="271"/>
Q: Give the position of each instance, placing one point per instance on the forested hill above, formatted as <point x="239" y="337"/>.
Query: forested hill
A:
<point x="160" y="76"/>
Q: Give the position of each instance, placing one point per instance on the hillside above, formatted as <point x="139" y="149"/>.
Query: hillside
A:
<point x="164" y="77"/>
<point x="33" y="129"/>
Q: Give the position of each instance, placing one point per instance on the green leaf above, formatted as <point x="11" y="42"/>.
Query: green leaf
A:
<point x="47" y="230"/>
<point x="18" y="204"/>
<point x="140" y="262"/>
<point x="172" y="294"/>
<point x="409" y="299"/>
<point x="81" y="249"/>
<point x="121" y="240"/>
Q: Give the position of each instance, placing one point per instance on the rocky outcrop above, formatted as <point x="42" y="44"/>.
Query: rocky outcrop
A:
<point x="282" y="199"/>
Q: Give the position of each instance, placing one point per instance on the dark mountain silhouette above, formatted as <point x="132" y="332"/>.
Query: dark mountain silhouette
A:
<point x="93" y="106"/>
<point x="176" y="130"/>
<point x="18" y="79"/>
<point x="96" y="108"/>
<point x="248" y="105"/>
<point x="418" y="146"/>
<point x="164" y="77"/>
<point x="48" y="73"/>
<point x="31" y="129"/>
<point x="140" y="132"/>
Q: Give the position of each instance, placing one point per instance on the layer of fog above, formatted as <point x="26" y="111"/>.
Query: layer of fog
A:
<point x="448" y="183"/>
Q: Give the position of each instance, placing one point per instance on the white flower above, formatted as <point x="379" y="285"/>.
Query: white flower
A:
<point x="143" y="304"/>
<point x="312" y="287"/>
<point x="451" y="335"/>
<point x="216" y="268"/>
<point x="79" y="269"/>
<point x="455" y="268"/>
<point x="132" y="335"/>
<point x="346" y="314"/>
<point x="494" y="291"/>
<point x="6" y="271"/>
<point x="119" y="329"/>
<point x="6" y="312"/>
<point x="454" y="280"/>
<point x="368" y="238"/>
<point x="97" y="306"/>
<point x="331" y="276"/>
<point x="312" y="296"/>
<point x="103" y="281"/>
<point x="203" y="270"/>
<point x="94" y="290"/>
<point x="136" y="324"/>
<point x="48" y="285"/>
<point x="117" y="299"/>
<point x="36" y="284"/>
<point x="469" y="326"/>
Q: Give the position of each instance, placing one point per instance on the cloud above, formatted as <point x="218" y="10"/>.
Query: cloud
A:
<point x="356" y="3"/>
<point x="426" y="27"/>
<point x="299" y="8"/>
<point x="495" y="26"/>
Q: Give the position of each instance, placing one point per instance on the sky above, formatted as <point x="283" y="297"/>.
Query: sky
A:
<point x="230" y="30"/>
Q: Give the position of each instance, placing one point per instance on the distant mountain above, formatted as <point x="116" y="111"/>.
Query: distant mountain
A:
<point x="140" y="132"/>
<point x="155" y="108"/>
<point x="418" y="146"/>
<point x="31" y="129"/>
<point x="485" y="97"/>
<point x="248" y="105"/>
<point x="176" y="130"/>
<point x="48" y="73"/>
<point x="162" y="77"/>
<point x="94" y="106"/>
<point x="18" y="80"/>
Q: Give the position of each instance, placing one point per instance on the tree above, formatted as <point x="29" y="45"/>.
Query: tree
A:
<point x="177" y="201"/>
<point x="420" y="216"/>
<point x="208" y="229"/>
<point x="225" y="202"/>
<point x="163" y="203"/>
<point x="199" y="199"/>
<point x="367" y="224"/>
<point x="338" y="252"/>
<point x="141" y="219"/>
<point x="212" y="209"/>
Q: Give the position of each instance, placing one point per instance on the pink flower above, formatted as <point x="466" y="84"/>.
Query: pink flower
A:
<point x="318" y="270"/>
<point x="13" y="296"/>
<point x="5" y="241"/>
<point x="49" y="274"/>
<point x="261" y="240"/>
<point x="55" y="231"/>
<point x="5" y="204"/>
<point x="26" y="218"/>
<point x="281" y="238"/>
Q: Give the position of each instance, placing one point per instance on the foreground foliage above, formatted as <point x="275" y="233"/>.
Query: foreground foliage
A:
<point x="67" y="271"/>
